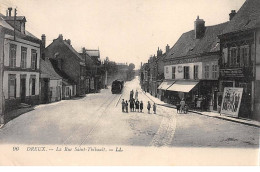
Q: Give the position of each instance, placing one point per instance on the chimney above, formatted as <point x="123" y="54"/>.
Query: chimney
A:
<point x="167" y="48"/>
<point x="232" y="14"/>
<point x="159" y="52"/>
<point x="69" y="41"/>
<point x="10" y="11"/>
<point x="60" y="37"/>
<point x="43" y="40"/>
<point x="83" y="50"/>
<point x="199" y="28"/>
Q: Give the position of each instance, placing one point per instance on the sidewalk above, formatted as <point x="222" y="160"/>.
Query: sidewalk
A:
<point x="209" y="114"/>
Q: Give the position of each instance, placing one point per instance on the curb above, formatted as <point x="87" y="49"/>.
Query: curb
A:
<point x="217" y="117"/>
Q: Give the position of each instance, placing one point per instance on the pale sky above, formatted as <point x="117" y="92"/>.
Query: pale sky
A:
<point x="124" y="30"/>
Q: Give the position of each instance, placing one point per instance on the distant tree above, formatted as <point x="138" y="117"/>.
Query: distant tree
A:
<point x="131" y="67"/>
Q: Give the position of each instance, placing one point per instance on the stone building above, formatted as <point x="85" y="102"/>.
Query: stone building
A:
<point x="240" y="60"/>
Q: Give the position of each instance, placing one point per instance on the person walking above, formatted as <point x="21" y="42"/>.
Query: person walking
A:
<point x="148" y="107"/>
<point x="137" y="105"/>
<point x="136" y="95"/>
<point x="123" y="105"/>
<point x="182" y="103"/>
<point x="141" y="106"/>
<point x="126" y="106"/>
<point x="154" y="108"/>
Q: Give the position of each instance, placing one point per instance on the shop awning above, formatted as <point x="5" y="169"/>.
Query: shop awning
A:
<point x="183" y="86"/>
<point x="165" y="84"/>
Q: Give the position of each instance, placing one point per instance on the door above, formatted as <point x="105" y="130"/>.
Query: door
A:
<point x="23" y="89"/>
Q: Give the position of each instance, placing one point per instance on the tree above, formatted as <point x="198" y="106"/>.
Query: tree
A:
<point x="131" y="67"/>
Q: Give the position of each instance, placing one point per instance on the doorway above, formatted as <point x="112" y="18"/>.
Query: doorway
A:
<point x="23" y="88"/>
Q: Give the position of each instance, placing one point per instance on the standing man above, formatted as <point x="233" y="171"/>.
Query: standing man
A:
<point x="131" y="94"/>
<point x="137" y="105"/>
<point x="141" y="106"/>
<point x="136" y="95"/>
<point x="123" y="105"/>
<point x="148" y="107"/>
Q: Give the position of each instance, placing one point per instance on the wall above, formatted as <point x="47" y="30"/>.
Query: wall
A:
<point x="180" y="75"/>
<point x="258" y="54"/>
<point x="19" y="42"/>
<point x="54" y="84"/>
<point x="28" y="86"/>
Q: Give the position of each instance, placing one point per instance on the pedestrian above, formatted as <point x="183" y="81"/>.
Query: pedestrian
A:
<point x="182" y="103"/>
<point x="141" y="106"/>
<point x="154" y="108"/>
<point x="123" y="105"/>
<point x="126" y="106"/>
<point x="136" y="95"/>
<point x="133" y="107"/>
<point x="148" y="107"/>
<point x="185" y="109"/>
<point x="131" y="104"/>
<point x="137" y="105"/>
<point x="131" y="94"/>
<point x="178" y="107"/>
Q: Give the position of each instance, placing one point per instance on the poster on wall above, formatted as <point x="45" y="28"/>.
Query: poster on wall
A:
<point x="231" y="101"/>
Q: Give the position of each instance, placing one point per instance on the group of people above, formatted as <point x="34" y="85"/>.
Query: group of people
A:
<point x="135" y="105"/>
<point x="182" y="107"/>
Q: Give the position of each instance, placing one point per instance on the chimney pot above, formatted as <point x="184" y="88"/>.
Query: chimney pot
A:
<point x="60" y="37"/>
<point x="10" y="11"/>
<point x="232" y="14"/>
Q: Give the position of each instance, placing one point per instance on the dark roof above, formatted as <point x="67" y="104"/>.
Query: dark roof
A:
<point x="247" y="17"/>
<point x="187" y="45"/>
<point x="89" y="61"/>
<point x="47" y="70"/>
<point x="73" y="50"/>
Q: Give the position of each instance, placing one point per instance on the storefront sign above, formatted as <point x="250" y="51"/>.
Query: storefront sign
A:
<point x="231" y="101"/>
<point x="231" y="73"/>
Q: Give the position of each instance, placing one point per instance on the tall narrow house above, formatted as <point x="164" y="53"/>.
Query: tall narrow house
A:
<point x="19" y="54"/>
<point x="240" y="60"/>
<point x="69" y="64"/>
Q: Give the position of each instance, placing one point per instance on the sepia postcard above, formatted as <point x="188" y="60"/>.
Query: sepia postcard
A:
<point x="129" y="82"/>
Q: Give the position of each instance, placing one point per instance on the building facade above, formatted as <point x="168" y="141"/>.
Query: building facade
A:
<point x="21" y="63"/>
<point x="239" y="63"/>
<point x="191" y="68"/>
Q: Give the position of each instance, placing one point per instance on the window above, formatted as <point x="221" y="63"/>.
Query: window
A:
<point x="11" y="86"/>
<point x="186" y="72"/>
<point x="173" y="72"/>
<point x="234" y="60"/>
<point x="34" y="60"/>
<point x="196" y="72"/>
<point x="23" y="57"/>
<point x="12" y="55"/>
<point x="214" y="71"/>
<point x="244" y="55"/>
<point x="207" y="72"/>
<point x="33" y="86"/>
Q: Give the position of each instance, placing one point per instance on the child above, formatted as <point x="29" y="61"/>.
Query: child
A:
<point x="141" y="106"/>
<point x="185" y="109"/>
<point x="148" y="107"/>
<point x="178" y="106"/>
<point x="126" y="106"/>
<point x="123" y="105"/>
<point x="137" y="105"/>
<point x="154" y="108"/>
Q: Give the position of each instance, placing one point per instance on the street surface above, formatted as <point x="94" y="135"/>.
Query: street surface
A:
<point x="97" y="119"/>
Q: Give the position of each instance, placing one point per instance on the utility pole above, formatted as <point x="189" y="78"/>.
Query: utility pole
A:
<point x="15" y="13"/>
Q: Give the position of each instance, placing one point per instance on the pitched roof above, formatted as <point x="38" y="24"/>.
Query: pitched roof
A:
<point x="47" y="70"/>
<point x="12" y="18"/>
<point x="187" y="45"/>
<point x="247" y="17"/>
<point x="73" y="50"/>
